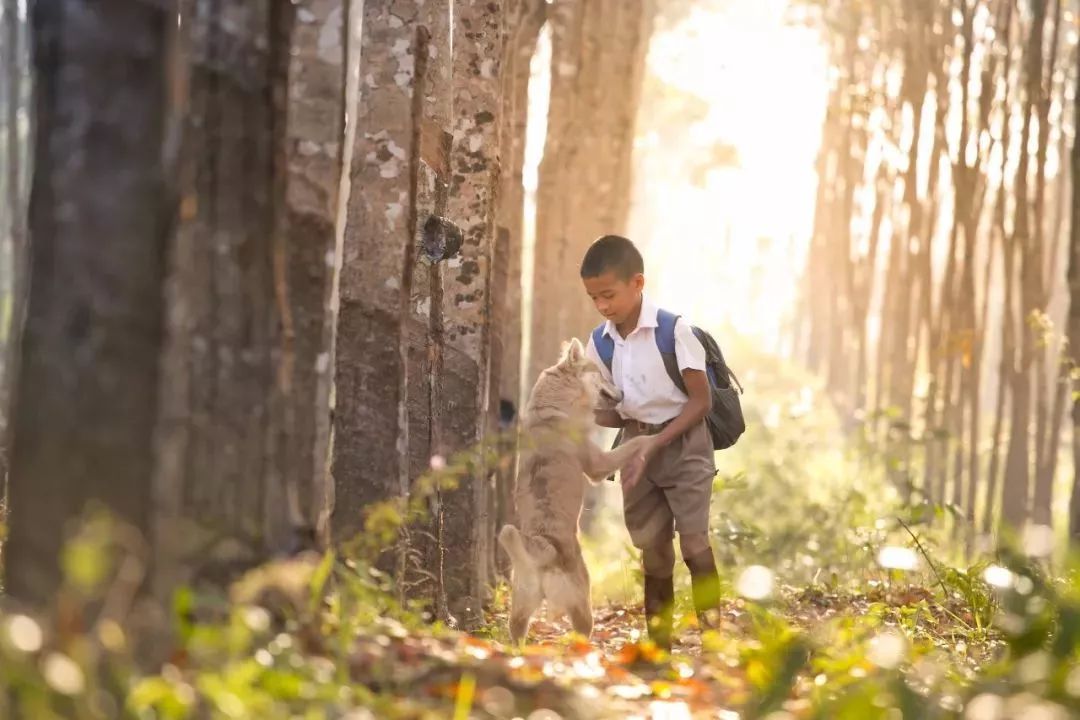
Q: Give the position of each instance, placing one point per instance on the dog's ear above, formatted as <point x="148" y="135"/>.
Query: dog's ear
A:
<point x="572" y="352"/>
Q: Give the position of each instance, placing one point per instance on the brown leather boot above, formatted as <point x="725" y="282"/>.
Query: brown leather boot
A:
<point x="705" y="585"/>
<point x="660" y="609"/>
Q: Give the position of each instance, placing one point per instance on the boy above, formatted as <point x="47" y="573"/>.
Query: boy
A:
<point x="667" y="488"/>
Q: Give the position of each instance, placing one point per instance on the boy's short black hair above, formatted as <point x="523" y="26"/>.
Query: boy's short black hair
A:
<point x="612" y="253"/>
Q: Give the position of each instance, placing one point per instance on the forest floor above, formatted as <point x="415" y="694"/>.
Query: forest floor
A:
<point x="843" y="599"/>
<point x="774" y="662"/>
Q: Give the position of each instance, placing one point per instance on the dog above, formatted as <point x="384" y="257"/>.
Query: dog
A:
<point x="545" y="554"/>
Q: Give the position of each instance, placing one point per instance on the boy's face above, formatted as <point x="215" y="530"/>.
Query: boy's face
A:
<point x="615" y="298"/>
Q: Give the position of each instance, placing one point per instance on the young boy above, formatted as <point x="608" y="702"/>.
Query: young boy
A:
<point x="668" y="487"/>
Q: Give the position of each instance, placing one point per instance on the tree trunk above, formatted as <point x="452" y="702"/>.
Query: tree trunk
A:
<point x="937" y="320"/>
<point x="816" y="332"/>
<point x="14" y="248"/>
<point x="598" y="51"/>
<point x="100" y="214"/>
<point x="838" y="255"/>
<point x="961" y="349"/>
<point x="863" y="286"/>
<point x="999" y="236"/>
<point x="1046" y="443"/>
<point x="477" y="66"/>
<point x="636" y="23"/>
<point x="981" y="253"/>
<point x="608" y="85"/>
<point x="1017" y="464"/>
<point x="316" y="117"/>
<point x="1074" y="310"/>
<point x="553" y="258"/>
<point x="324" y="432"/>
<point x="522" y="31"/>
<point x="425" y="576"/>
<point x="225" y="493"/>
<point x="370" y="449"/>
<point x="1057" y="294"/>
<point x="908" y="293"/>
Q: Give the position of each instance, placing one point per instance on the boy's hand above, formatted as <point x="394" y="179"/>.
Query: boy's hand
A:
<point x="632" y="472"/>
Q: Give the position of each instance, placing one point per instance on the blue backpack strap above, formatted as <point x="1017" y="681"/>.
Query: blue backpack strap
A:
<point x="665" y="331"/>
<point x="665" y="343"/>
<point x="604" y="344"/>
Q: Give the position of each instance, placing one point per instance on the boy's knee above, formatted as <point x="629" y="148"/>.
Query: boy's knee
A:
<point x="694" y="544"/>
<point x="658" y="559"/>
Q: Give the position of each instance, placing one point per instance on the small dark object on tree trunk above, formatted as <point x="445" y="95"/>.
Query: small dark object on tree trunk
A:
<point x="507" y="413"/>
<point x="441" y="238"/>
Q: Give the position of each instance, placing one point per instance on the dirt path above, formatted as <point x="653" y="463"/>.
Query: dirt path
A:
<point x="615" y="675"/>
<point x="758" y="663"/>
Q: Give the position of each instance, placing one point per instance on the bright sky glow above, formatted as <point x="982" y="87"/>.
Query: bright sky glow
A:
<point x="730" y="248"/>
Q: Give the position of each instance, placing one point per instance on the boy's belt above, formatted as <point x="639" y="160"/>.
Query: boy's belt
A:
<point x="642" y="428"/>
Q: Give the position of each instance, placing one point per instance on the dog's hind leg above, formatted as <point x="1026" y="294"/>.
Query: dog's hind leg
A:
<point x="580" y="606"/>
<point x="581" y="617"/>
<point x="525" y="599"/>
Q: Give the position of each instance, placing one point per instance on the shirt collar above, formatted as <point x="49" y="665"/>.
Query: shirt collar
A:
<point x="646" y="318"/>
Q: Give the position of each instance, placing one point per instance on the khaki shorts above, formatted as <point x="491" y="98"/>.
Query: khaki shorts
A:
<point x="674" y="493"/>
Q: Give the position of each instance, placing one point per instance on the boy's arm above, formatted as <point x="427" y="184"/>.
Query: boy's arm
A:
<point x="691" y="357"/>
<point x="698" y="405"/>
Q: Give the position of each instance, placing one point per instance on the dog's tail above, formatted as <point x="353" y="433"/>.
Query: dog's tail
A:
<point x="526" y="551"/>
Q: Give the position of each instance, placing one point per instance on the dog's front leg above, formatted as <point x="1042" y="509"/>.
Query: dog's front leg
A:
<point x="599" y="464"/>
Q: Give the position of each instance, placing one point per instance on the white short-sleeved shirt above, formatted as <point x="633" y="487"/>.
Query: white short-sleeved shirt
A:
<point x="637" y="368"/>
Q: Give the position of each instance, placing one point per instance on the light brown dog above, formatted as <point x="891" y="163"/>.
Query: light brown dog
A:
<point x="557" y="457"/>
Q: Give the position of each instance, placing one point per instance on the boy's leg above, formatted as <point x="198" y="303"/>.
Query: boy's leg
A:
<point x="689" y="497"/>
<point x="651" y="525"/>
<point x="704" y="580"/>
<point x="658" y="562"/>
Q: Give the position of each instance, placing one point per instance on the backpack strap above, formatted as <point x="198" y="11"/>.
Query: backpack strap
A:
<point x="604" y="344"/>
<point x="665" y="331"/>
<point x="665" y="343"/>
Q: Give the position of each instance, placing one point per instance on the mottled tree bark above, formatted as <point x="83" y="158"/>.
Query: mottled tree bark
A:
<point x="469" y="529"/>
<point x="369" y="459"/>
<point x="426" y="574"/>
